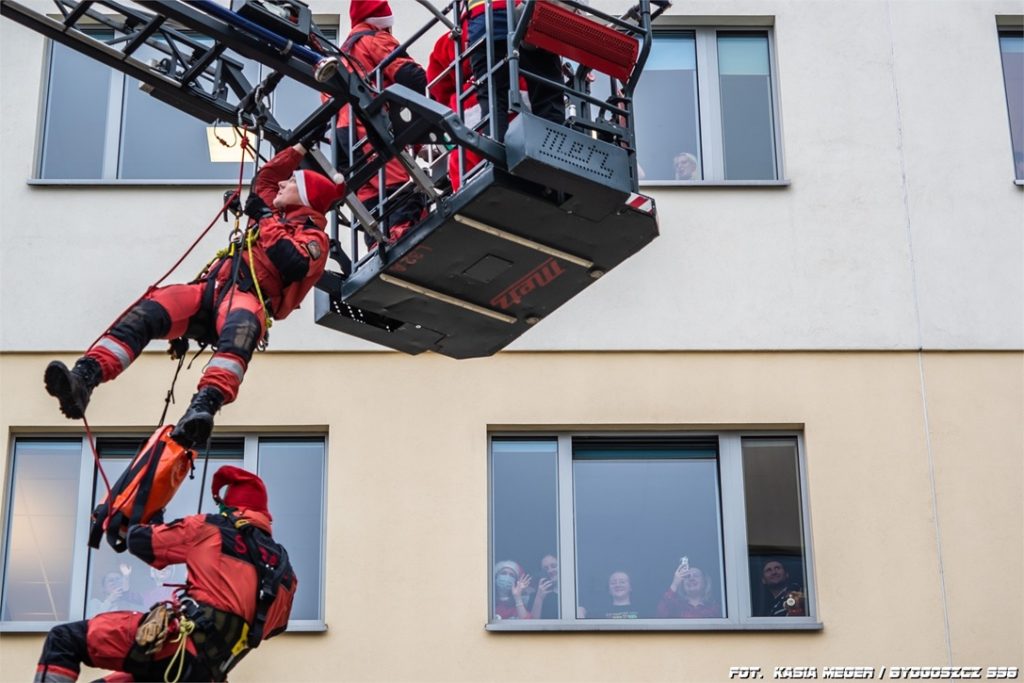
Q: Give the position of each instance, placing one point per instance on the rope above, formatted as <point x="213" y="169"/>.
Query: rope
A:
<point x="95" y="454"/>
<point x="185" y="628"/>
<point x="202" y="482"/>
<point x="169" y="399"/>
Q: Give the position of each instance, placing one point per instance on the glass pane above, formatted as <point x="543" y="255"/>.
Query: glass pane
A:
<point x="775" y="545"/>
<point x="75" y="130"/>
<point x="293" y="470"/>
<point x="748" y="129"/>
<point x="524" y="514"/>
<point x="164" y="143"/>
<point x="41" y="530"/>
<point x="1012" y="47"/>
<point x="667" y="121"/>
<point x="640" y="510"/>
<point x="122" y="581"/>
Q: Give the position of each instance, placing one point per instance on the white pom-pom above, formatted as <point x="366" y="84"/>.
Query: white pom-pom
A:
<point x="338" y="178"/>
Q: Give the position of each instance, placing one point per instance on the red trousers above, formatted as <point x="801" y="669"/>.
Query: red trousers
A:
<point x="105" y="642"/>
<point x="170" y="312"/>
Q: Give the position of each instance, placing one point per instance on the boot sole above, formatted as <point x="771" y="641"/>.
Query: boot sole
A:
<point x="57" y="379"/>
<point x="192" y="434"/>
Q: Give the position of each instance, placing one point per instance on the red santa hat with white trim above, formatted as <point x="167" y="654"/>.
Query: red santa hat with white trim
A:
<point x="317" y="191"/>
<point x="376" y="13"/>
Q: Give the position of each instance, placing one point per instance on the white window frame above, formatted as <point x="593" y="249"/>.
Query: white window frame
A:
<point x="734" y="541"/>
<point x="709" y="105"/>
<point x="80" y="551"/>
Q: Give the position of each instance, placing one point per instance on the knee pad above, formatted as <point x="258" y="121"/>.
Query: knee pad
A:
<point x="145" y="321"/>
<point x="66" y="646"/>
<point x="240" y="334"/>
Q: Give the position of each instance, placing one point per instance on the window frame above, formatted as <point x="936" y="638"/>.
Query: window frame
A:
<point x="80" y="551"/>
<point x="709" y="104"/>
<point x="732" y="513"/>
<point x="1008" y="26"/>
<point x="116" y="99"/>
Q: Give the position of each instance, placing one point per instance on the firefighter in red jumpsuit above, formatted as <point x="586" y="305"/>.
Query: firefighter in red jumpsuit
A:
<point x="368" y="43"/>
<point x="222" y="596"/>
<point x="288" y="257"/>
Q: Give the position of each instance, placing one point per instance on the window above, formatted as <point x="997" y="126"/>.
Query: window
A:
<point x="1011" y="46"/>
<point x="99" y="125"/>
<point x="49" y="573"/>
<point x="706" y="108"/>
<point x="649" y="532"/>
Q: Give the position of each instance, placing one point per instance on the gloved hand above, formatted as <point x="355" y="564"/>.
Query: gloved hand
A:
<point x="256" y="208"/>
<point x="177" y="348"/>
<point x="316" y="136"/>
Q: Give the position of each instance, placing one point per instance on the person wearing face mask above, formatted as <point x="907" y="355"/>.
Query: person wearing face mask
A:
<point x="510" y="588"/>
<point x="689" y="596"/>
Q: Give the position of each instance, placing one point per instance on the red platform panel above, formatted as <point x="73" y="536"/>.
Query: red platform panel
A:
<point x="557" y="29"/>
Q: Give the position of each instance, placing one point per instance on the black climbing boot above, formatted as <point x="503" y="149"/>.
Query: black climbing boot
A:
<point x="194" y="427"/>
<point x="73" y="387"/>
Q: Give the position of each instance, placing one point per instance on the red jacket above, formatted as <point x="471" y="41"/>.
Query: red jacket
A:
<point x="219" y="573"/>
<point x="366" y="52"/>
<point x="291" y="252"/>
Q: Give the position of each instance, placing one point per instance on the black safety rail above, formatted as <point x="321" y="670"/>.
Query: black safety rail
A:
<point x="552" y="207"/>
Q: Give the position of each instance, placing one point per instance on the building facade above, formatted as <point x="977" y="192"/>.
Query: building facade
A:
<point x="819" y="363"/>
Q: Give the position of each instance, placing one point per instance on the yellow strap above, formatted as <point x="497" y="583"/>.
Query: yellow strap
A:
<point x="242" y="643"/>
<point x="249" y="239"/>
<point x="185" y="628"/>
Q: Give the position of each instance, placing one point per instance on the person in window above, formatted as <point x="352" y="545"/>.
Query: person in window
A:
<point x="689" y="596"/>
<point x="545" y="602"/>
<point x="545" y="101"/>
<point x="160" y="590"/>
<point x="782" y="597"/>
<point x="368" y="44"/>
<point x="620" y="590"/>
<point x="287" y="259"/>
<point x="686" y="167"/>
<point x="221" y="598"/>
<point x="511" y="586"/>
<point x="117" y="594"/>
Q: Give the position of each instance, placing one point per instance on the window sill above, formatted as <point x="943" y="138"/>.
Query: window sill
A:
<point x="715" y="183"/>
<point x="782" y="624"/>
<point x="41" y="182"/>
<point x="1019" y="183"/>
<point x="307" y="626"/>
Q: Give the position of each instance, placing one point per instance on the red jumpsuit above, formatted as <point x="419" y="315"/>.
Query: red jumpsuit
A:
<point x="289" y="257"/>
<point x="220" y="577"/>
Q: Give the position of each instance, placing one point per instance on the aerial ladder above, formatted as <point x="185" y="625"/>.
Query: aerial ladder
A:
<point x="552" y="208"/>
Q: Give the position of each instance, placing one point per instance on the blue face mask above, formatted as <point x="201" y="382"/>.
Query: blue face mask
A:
<point x="504" y="582"/>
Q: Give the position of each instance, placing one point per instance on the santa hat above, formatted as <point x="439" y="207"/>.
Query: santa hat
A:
<point x="317" y="192"/>
<point x="376" y="13"/>
<point x="508" y="564"/>
<point x="245" y="489"/>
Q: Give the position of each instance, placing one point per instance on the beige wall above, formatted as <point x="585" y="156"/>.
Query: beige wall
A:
<point x="407" y="495"/>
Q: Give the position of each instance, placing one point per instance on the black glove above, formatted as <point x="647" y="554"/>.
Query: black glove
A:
<point x="256" y="208"/>
<point x="316" y="136"/>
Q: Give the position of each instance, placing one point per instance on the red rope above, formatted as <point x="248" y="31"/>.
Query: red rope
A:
<point x="236" y="193"/>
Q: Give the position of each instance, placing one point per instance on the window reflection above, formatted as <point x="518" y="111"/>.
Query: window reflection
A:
<point x="1011" y="46"/>
<point x="40" y="535"/>
<point x="640" y="508"/>
<point x="775" y="546"/>
<point x="668" y="126"/>
<point x="525" y="518"/>
<point x="747" y="120"/>
<point x="293" y="470"/>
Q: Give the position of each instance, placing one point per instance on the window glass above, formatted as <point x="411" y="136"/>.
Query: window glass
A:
<point x="161" y="142"/>
<point x="42" y="518"/>
<point x="120" y="581"/>
<point x="668" y="124"/>
<point x="293" y="470"/>
<point x="748" y="137"/>
<point x="75" y="130"/>
<point x="640" y="508"/>
<point x="524" y="515"/>
<point x="1011" y="45"/>
<point x="775" y="545"/>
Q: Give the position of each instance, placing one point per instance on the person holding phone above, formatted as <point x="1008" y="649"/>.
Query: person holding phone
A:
<point x="689" y="596"/>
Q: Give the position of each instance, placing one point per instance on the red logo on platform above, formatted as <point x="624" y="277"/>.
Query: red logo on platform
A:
<point x="541" y="276"/>
<point x="411" y="259"/>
